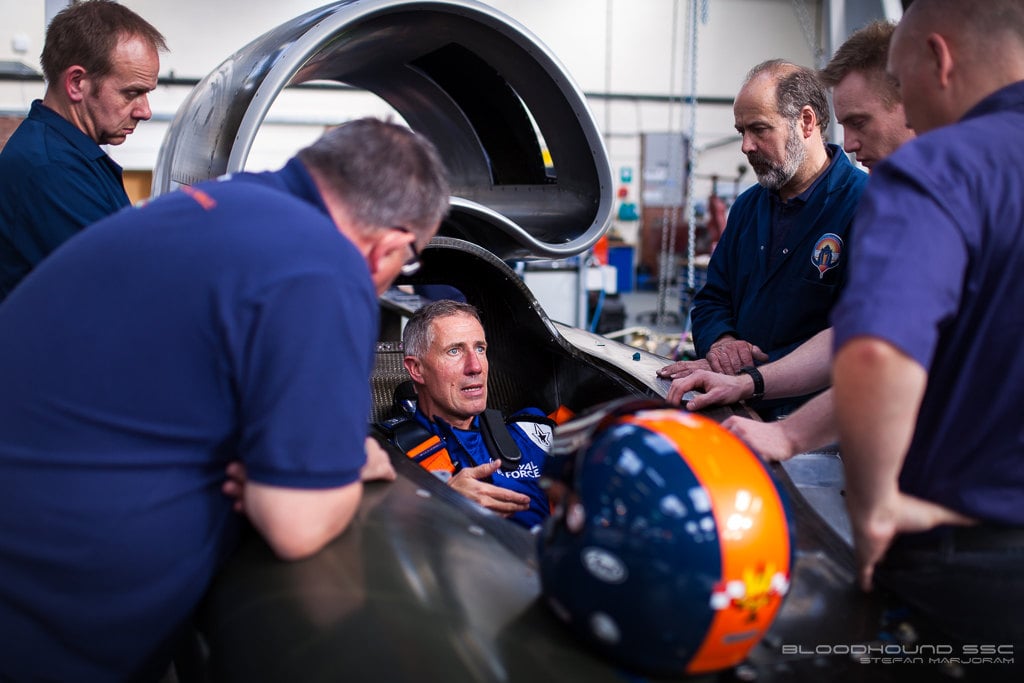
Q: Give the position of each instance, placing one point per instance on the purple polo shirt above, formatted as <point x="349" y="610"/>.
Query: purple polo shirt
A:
<point x="939" y="274"/>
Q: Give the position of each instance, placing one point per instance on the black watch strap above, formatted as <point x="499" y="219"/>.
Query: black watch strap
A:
<point x="758" y="378"/>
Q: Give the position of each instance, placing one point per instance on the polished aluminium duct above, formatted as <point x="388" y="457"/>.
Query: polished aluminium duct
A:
<point x="470" y="78"/>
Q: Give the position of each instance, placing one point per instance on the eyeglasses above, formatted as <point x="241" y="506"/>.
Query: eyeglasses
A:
<point x="413" y="264"/>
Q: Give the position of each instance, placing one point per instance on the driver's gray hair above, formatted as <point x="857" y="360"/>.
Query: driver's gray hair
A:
<point x="418" y="333"/>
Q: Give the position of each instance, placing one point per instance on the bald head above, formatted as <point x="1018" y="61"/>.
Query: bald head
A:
<point x="999" y="20"/>
<point x="948" y="55"/>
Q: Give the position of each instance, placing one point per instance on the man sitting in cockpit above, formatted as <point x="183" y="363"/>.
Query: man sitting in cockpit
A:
<point x="492" y="460"/>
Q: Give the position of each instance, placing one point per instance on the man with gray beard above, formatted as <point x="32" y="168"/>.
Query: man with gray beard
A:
<point x="781" y="262"/>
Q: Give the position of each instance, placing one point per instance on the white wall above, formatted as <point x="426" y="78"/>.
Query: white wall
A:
<point x="25" y="19"/>
<point x="635" y="54"/>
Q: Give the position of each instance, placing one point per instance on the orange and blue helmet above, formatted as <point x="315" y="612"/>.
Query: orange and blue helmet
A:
<point x="671" y="548"/>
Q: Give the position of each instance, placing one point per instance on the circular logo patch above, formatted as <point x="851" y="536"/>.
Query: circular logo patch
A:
<point x="827" y="253"/>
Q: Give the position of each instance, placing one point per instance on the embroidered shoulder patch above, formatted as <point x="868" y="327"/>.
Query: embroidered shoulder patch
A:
<point x="540" y="434"/>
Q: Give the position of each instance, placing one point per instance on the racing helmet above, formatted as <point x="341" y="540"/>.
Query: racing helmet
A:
<point x="671" y="549"/>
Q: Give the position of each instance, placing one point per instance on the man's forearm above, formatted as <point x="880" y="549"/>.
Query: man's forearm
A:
<point x="878" y="391"/>
<point x="813" y="425"/>
<point x="299" y="522"/>
<point x="804" y="370"/>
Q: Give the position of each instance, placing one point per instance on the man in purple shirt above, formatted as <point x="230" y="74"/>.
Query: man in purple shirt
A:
<point x="928" y="374"/>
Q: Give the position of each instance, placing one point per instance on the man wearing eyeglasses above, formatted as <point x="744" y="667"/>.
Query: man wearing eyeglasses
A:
<point x="229" y="322"/>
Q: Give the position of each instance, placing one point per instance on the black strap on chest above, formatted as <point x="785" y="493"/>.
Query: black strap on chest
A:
<point x="498" y="441"/>
<point x="404" y="432"/>
<point x="408" y="433"/>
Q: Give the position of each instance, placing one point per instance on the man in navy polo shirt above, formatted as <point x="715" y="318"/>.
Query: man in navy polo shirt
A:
<point x="100" y="61"/>
<point x="228" y="326"/>
<point x="928" y="373"/>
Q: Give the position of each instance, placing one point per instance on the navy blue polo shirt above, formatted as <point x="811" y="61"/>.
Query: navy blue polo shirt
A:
<point x="939" y="243"/>
<point x="230" y="321"/>
<point x="54" y="181"/>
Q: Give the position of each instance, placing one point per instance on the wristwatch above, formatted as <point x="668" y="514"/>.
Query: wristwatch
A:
<point x="758" y="378"/>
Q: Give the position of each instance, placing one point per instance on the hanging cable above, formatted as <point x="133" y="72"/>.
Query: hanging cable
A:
<point x="691" y="210"/>
<point x="666" y="254"/>
<point x="810" y="34"/>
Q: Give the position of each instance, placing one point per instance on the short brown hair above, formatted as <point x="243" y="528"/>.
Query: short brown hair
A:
<point x="86" y="33"/>
<point x="865" y="51"/>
